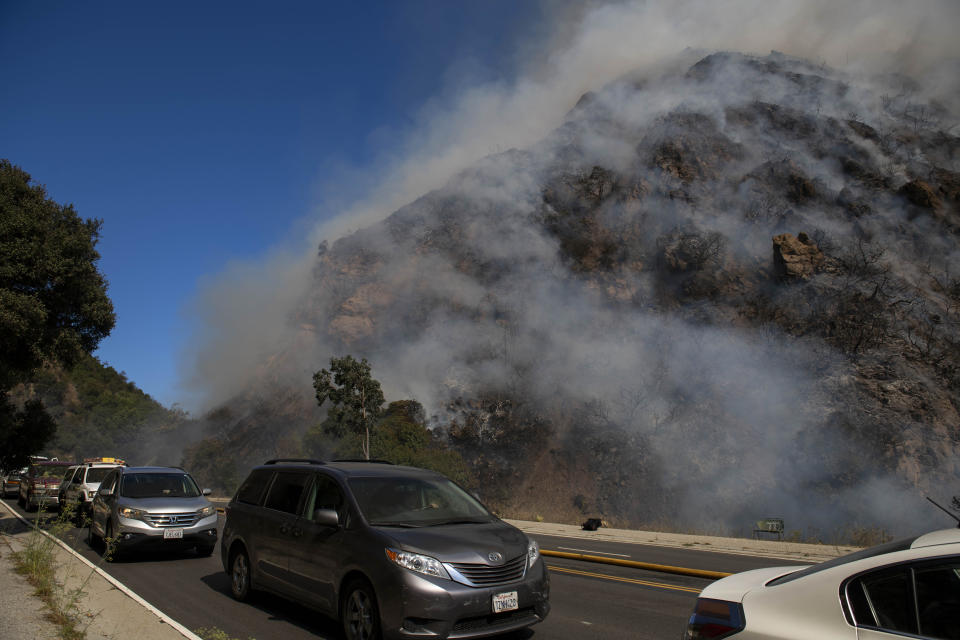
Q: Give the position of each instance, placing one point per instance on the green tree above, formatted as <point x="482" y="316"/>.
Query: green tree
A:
<point x="53" y="299"/>
<point x="402" y="437"/>
<point x="355" y="397"/>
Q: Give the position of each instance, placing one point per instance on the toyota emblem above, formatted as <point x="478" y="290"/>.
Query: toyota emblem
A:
<point x="494" y="557"/>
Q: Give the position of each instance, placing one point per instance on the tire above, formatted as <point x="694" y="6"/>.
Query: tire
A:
<point x="28" y="506"/>
<point x="240" y="587"/>
<point x="359" y="612"/>
<point x="20" y="500"/>
<point x="93" y="540"/>
<point x="205" y="550"/>
<point x="109" y="549"/>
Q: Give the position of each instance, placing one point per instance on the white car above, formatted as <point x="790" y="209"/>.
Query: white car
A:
<point x="904" y="589"/>
<point x="81" y="482"/>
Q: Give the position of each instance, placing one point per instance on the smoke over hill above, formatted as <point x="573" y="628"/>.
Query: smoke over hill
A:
<point x="717" y="288"/>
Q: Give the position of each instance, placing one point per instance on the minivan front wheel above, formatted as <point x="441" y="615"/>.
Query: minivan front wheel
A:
<point x="359" y="614"/>
<point x="240" y="576"/>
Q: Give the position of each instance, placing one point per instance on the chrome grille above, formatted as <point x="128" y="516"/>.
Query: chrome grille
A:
<point x="171" y="519"/>
<point x="482" y="575"/>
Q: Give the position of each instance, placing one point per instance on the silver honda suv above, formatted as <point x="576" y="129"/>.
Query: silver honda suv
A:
<point x="393" y="552"/>
<point x="151" y="507"/>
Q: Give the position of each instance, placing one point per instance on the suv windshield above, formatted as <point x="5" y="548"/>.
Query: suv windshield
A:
<point x="97" y="474"/>
<point x="158" y="485"/>
<point x="415" y="502"/>
<point x="49" y="472"/>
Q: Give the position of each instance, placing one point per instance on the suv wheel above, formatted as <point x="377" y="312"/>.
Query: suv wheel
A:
<point x="110" y="549"/>
<point x="359" y="613"/>
<point x="93" y="539"/>
<point x="240" y="576"/>
<point x="28" y="503"/>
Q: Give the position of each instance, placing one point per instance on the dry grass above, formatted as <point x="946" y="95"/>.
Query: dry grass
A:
<point x="37" y="563"/>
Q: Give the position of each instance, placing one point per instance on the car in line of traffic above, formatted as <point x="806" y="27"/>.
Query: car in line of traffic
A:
<point x="81" y="483"/>
<point x="137" y="508"/>
<point x="40" y="485"/>
<point x="11" y="482"/>
<point x="904" y="589"/>
<point x="390" y="551"/>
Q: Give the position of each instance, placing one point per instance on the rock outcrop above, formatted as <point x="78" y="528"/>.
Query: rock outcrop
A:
<point x="795" y="258"/>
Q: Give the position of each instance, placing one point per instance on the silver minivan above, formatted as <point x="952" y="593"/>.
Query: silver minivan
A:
<point x="151" y="508"/>
<point x="392" y="551"/>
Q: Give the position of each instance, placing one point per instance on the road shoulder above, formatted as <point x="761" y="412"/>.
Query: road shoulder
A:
<point x="107" y="610"/>
<point x="774" y="549"/>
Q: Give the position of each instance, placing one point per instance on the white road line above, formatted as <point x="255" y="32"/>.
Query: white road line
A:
<point x="119" y="585"/>
<point x="602" y="553"/>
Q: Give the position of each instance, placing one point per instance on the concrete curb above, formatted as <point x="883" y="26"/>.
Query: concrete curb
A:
<point x="186" y="633"/>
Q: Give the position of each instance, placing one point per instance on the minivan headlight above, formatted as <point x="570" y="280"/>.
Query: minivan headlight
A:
<point x="132" y="514"/>
<point x="533" y="552"/>
<point x="208" y="510"/>
<point x="419" y="563"/>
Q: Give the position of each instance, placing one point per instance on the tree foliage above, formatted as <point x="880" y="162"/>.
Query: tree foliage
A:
<point x="355" y="396"/>
<point x="24" y="432"/>
<point x="53" y="299"/>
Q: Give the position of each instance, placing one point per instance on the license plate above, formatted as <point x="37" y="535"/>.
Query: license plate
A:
<point x="172" y="534"/>
<point x="505" y="601"/>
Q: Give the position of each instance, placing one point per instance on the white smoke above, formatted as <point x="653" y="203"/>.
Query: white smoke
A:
<point x="585" y="352"/>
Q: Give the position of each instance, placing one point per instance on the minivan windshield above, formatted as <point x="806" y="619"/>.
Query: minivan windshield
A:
<point x="415" y="502"/>
<point x="158" y="485"/>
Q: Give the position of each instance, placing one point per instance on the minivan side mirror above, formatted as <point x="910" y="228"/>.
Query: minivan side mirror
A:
<point x="326" y="517"/>
<point x="206" y="492"/>
<point x="106" y="493"/>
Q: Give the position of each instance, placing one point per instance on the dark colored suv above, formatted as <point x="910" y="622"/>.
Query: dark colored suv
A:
<point x="393" y="552"/>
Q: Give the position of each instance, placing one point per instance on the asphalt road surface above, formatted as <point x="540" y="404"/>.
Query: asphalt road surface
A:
<point x="588" y="600"/>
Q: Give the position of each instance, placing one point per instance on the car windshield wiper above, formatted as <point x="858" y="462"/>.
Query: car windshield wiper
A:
<point x="458" y="521"/>
<point x="405" y="525"/>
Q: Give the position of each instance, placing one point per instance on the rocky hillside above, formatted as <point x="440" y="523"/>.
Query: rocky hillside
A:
<point x="702" y="300"/>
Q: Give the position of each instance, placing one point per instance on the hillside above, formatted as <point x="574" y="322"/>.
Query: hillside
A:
<point x="101" y="413"/>
<point x="702" y="300"/>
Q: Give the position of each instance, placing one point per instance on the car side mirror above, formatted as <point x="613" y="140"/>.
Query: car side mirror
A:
<point x="106" y="493"/>
<point x="326" y="517"/>
<point x="206" y="492"/>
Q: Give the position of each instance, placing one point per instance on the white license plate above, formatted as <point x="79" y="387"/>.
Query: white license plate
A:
<point x="172" y="534"/>
<point x="505" y="601"/>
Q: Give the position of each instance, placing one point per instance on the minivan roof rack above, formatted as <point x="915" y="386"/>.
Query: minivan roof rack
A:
<point x="297" y="460"/>
<point x="362" y="460"/>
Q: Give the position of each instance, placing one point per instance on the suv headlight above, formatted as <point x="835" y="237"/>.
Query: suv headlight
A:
<point x="209" y="510"/>
<point x="416" y="562"/>
<point x="132" y="514"/>
<point x="533" y="552"/>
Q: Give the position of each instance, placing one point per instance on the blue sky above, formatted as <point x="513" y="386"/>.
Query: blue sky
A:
<point x="205" y="133"/>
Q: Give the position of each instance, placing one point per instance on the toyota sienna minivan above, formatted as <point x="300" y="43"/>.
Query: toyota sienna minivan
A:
<point x="391" y="551"/>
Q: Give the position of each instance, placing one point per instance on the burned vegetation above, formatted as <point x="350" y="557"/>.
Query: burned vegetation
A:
<point x="698" y="300"/>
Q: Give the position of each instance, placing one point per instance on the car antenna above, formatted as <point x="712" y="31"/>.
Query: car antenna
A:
<point x="947" y="511"/>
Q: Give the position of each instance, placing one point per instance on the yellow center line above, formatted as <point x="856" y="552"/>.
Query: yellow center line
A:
<point x="645" y="583"/>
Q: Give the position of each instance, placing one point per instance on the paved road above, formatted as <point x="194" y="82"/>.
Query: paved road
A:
<point x="588" y="600"/>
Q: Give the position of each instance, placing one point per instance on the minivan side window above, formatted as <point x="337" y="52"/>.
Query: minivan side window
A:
<point x="251" y="491"/>
<point x="324" y="494"/>
<point x="286" y="491"/>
